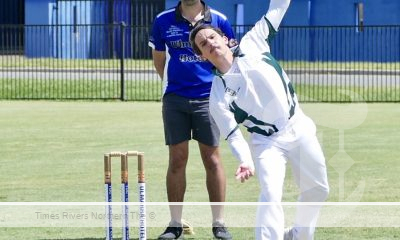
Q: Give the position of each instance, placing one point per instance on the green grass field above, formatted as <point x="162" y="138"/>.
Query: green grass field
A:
<point x="52" y="151"/>
<point x="151" y="90"/>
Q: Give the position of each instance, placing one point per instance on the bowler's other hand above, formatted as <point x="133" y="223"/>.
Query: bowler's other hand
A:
<point x="244" y="172"/>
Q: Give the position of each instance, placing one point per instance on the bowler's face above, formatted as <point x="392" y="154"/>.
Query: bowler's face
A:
<point x="211" y="44"/>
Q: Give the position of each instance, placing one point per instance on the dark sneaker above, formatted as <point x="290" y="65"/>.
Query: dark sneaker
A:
<point x="220" y="231"/>
<point x="288" y="234"/>
<point x="171" y="232"/>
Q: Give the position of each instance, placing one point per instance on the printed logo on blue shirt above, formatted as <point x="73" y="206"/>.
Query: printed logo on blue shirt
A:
<point x="190" y="58"/>
<point x="174" y="31"/>
<point x="180" y="44"/>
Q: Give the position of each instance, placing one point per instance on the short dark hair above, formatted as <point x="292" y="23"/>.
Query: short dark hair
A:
<point x="194" y="32"/>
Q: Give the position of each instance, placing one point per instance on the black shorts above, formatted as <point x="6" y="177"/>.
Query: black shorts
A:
<point x="185" y="119"/>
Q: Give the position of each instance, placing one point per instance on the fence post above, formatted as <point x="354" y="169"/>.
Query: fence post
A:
<point x="122" y="56"/>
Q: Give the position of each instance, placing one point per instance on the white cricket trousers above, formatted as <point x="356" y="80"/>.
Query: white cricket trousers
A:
<point x="298" y="145"/>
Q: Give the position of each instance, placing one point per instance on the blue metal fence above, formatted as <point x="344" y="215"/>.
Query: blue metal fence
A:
<point x="325" y="63"/>
<point x="335" y="43"/>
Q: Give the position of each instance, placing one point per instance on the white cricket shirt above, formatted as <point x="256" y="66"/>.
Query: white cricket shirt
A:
<point x="255" y="92"/>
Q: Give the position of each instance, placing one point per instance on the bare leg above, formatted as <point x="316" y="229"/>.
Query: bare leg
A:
<point x="176" y="177"/>
<point x="216" y="182"/>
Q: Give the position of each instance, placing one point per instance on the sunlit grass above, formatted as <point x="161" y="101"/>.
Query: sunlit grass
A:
<point x="18" y="61"/>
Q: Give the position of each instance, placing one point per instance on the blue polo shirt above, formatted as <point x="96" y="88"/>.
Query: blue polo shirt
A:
<point x="185" y="73"/>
